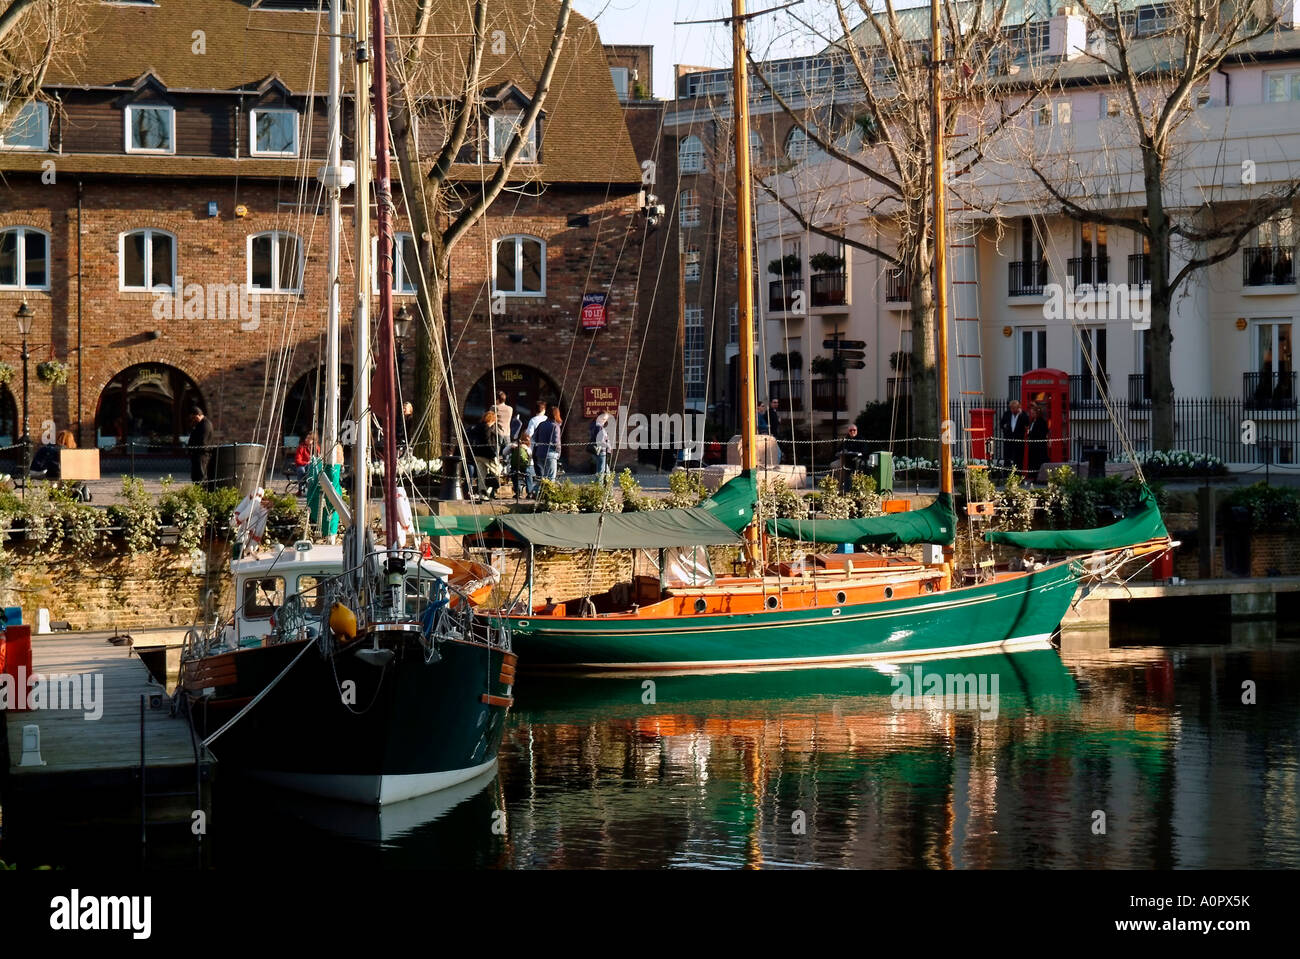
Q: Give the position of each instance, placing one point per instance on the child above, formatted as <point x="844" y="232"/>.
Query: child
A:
<point x="521" y="459"/>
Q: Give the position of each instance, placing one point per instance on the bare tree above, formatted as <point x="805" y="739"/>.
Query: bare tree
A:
<point x="882" y="137"/>
<point x="33" y="34"/>
<point x="437" y="84"/>
<point x="1158" y="68"/>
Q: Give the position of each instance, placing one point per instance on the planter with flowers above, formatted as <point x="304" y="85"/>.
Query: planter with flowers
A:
<point x="54" y="372"/>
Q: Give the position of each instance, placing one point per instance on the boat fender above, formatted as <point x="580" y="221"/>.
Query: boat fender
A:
<point x="343" y="622"/>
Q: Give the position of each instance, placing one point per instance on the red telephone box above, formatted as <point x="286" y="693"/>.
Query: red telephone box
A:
<point x="1050" y="391"/>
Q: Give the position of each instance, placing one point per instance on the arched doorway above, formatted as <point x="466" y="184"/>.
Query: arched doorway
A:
<point x="523" y="386"/>
<point x="304" y="405"/>
<point x="146" y="408"/>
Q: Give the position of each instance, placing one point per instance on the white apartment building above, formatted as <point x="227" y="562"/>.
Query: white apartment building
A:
<point x="1233" y="322"/>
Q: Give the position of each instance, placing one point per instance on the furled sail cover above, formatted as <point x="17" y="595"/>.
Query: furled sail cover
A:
<point x="652" y="529"/>
<point x="454" y="525"/>
<point x="1143" y="523"/>
<point x="937" y="523"/>
<point x="733" y="503"/>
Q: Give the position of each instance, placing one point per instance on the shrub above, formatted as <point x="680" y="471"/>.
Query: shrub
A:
<point x="1268" y="508"/>
<point x="778" y="501"/>
<point x="185" y="509"/>
<point x="553" y="497"/>
<point x="684" y="489"/>
<point x="136" y="517"/>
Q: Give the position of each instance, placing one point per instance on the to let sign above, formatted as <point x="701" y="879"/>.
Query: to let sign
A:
<point x="594" y="316"/>
<point x="599" y="399"/>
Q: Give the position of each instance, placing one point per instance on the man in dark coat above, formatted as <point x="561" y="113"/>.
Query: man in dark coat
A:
<point x="853" y="456"/>
<point x="1036" y="440"/>
<point x="1014" y="425"/>
<point x="200" y="446"/>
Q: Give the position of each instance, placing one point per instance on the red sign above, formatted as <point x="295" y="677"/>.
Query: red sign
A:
<point x="594" y="316"/>
<point x="599" y="399"/>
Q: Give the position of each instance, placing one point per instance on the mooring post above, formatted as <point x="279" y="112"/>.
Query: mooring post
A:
<point x="1207" y="532"/>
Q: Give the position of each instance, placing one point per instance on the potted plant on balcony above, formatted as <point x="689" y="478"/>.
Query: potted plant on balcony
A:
<point x="788" y="265"/>
<point x="826" y="263"/>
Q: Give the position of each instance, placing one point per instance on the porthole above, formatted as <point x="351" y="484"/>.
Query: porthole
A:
<point x="701" y="605"/>
<point x="772" y="602"/>
<point x="889" y="592"/>
<point x="840" y="597"/>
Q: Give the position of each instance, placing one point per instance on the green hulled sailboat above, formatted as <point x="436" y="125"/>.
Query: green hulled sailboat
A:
<point x="827" y="609"/>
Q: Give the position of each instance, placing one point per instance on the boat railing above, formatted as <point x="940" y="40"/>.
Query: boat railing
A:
<point x="394" y="591"/>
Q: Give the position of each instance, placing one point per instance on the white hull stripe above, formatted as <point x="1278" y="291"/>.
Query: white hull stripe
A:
<point x="372" y="790"/>
<point x="889" y="656"/>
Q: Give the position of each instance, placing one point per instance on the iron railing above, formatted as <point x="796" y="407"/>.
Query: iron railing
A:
<point x="828" y="395"/>
<point x="1139" y="269"/>
<point x="828" y="289"/>
<point x="898" y="285"/>
<point x="1267" y="266"/>
<point x="1088" y="269"/>
<point x="789" y="392"/>
<point x="780" y="293"/>
<point x="1026" y="277"/>
<point x="1268" y="390"/>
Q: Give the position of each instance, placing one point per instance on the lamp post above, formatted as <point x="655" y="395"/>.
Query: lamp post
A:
<point x="24" y="317"/>
<point x="401" y="329"/>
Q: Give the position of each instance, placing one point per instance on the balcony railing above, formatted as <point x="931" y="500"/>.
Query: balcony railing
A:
<point x="827" y="395"/>
<point x="1139" y="390"/>
<point x="780" y="293"/>
<point x="789" y="392"/>
<point x="1267" y="266"/>
<point x="1084" y="391"/>
<point x="898" y="285"/>
<point x="1089" y="270"/>
<point x="1267" y="390"/>
<point x="898" y="387"/>
<point x="1139" y="269"/>
<point x="1027" y="277"/>
<point x="828" y="289"/>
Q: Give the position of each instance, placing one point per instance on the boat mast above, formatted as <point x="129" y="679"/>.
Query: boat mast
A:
<point x="946" y="437"/>
<point x="385" y="366"/>
<point x="333" y="180"/>
<point x="361" y="314"/>
<point x="745" y="258"/>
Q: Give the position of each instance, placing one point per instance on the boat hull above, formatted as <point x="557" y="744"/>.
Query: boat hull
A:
<point x="347" y="729"/>
<point x="1006" y="614"/>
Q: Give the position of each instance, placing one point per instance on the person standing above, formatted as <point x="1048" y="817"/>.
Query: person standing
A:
<point x="539" y="417"/>
<point x="302" y="456"/>
<point x="546" y="445"/>
<point x="852" y="456"/>
<point x="200" y="447"/>
<point x="504" y="413"/>
<point x="1036" y="433"/>
<point x="1014" y="425"/>
<point x="521" y="467"/>
<point x="774" y="425"/>
<point x="601" y="444"/>
<point x="484" y="449"/>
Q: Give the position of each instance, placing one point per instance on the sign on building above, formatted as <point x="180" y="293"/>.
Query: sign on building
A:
<point x="594" y="316"/>
<point x="599" y="399"/>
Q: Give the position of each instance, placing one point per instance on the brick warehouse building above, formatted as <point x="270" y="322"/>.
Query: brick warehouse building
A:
<point x="145" y="163"/>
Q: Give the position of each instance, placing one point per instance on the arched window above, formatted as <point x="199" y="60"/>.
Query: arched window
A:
<point x="690" y="155"/>
<point x="146" y="260"/>
<point x="520" y="266"/>
<point x="146" y="408"/>
<point x="275" y="263"/>
<point x="24" y="259"/>
<point x="688" y="212"/>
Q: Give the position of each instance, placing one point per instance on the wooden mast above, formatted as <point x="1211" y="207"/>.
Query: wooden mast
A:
<point x="745" y="259"/>
<point x="946" y="428"/>
<point x="361" y="310"/>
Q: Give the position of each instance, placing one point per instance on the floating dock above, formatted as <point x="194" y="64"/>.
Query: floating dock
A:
<point x="1213" y="599"/>
<point x="120" y="759"/>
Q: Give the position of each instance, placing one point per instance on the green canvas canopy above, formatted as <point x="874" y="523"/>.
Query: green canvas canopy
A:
<point x="733" y="503"/>
<point x="453" y="525"/>
<point x="937" y="523"/>
<point x="652" y="529"/>
<point x="1143" y="523"/>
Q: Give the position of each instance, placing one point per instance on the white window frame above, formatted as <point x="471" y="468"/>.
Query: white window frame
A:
<point x="171" y="128"/>
<point x="626" y="92"/>
<point x="1112" y="105"/>
<point x="1089" y="335"/>
<point x="694" y="373"/>
<point x="797" y="135"/>
<point x="690" y="155"/>
<point x="148" y="260"/>
<point x="688" y="213"/>
<point x="252" y="132"/>
<point x="21" y="252"/>
<point x="44" y="111"/>
<point x="529" y="153"/>
<point x="691" y="273"/>
<point x="1053" y="113"/>
<point x="519" y="265"/>
<point x="1275" y="322"/>
<point x="1039" y="334"/>
<point x="275" y="288"/>
<point x="400" y="287"/>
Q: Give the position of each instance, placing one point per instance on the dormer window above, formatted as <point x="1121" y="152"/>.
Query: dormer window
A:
<point x="29" y="129"/>
<point x="273" y="132"/>
<point x="501" y="129"/>
<point x="150" y="129"/>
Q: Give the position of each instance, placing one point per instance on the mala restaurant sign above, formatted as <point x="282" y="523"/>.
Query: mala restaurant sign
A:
<point x="594" y="316"/>
<point x="599" y="399"/>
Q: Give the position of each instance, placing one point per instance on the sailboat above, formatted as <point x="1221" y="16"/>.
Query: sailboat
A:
<point x="368" y="676"/>
<point x="827" y="609"/>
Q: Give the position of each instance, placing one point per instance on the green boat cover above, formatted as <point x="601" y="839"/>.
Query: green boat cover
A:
<point x="1143" y="523"/>
<point x="937" y="523"/>
<point x="453" y="525"/>
<point x="652" y="529"/>
<point x="733" y="503"/>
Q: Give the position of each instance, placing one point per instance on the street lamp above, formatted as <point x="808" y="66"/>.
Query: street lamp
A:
<point x="401" y="330"/>
<point x="24" y="317"/>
